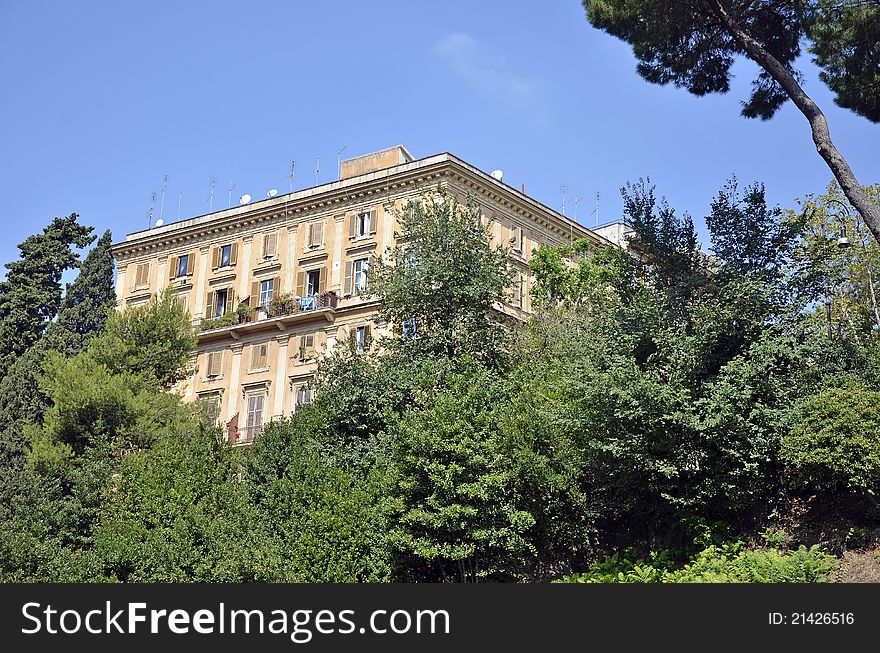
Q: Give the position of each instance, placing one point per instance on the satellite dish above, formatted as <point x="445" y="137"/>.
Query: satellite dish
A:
<point x="244" y="199"/>
<point x="272" y="192"/>
<point x="497" y="174"/>
<point x="159" y="223"/>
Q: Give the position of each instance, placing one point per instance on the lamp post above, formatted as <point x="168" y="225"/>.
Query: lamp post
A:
<point x="843" y="241"/>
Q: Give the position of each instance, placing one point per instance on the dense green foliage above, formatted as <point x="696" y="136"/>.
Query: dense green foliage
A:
<point x="668" y="401"/>
<point x="688" y="44"/>
<point x="695" y="43"/>
<point x="725" y="564"/>
<point x="30" y="296"/>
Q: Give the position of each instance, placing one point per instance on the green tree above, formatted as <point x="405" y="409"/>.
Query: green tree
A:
<point x="178" y="514"/>
<point x="844" y="42"/>
<point x="30" y="296"/>
<point x="155" y="341"/>
<point x="82" y="316"/>
<point x="460" y="517"/>
<point x="835" y="444"/>
<point x="750" y="237"/>
<point x="99" y="414"/>
<point x="87" y="302"/>
<point x="439" y="289"/>
<point x="694" y="44"/>
<point x="84" y="310"/>
<point x="319" y="522"/>
<point x="842" y="282"/>
<point x="667" y="253"/>
<point x="444" y="280"/>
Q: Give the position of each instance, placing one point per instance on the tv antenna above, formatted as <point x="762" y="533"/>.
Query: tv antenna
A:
<point x="229" y="199"/>
<point x="339" y="161"/>
<point x="577" y="200"/>
<point x="597" y="209"/>
<point x="152" y="208"/>
<point x="164" y="188"/>
<point x="292" y="174"/>
<point x="317" y="169"/>
<point x="179" y="202"/>
<point x="562" y="190"/>
<point x="211" y="196"/>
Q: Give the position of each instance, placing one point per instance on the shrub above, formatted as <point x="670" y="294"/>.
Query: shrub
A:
<point x="716" y="564"/>
<point x="836" y="441"/>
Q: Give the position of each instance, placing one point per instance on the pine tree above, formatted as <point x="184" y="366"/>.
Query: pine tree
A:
<point x="30" y="297"/>
<point x="82" y="316"/>
<point x="87" y="301"/>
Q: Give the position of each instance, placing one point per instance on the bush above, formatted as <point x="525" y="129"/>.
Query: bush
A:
<point x="835" y="443"/>
<point x="715" y="564"/>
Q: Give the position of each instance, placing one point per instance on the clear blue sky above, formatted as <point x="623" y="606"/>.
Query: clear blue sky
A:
<point x="104" y="98"/>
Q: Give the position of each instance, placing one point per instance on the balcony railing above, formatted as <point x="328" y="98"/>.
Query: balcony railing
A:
<point x="244" y="434"/>
<point x="279" y="307"/>
<point x="292" y="305"/>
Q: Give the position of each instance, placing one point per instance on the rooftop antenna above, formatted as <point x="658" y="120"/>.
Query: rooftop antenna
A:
<point x="292" y="174"/>
<point x="164" y="188"/>
<point x="562" y="190"/>
<point x="179" y="201"/>
<point x="211" y="196"/>
<point x="597" y="209"/>
<point x="152" y="208"/>
<point x="577" y="200"/>
<point x="339" y="161"/>
<point x="231" y="188"/>
<point x="317" y="169"/>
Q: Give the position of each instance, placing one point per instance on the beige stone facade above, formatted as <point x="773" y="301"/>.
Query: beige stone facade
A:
<point x="309" y="248"/>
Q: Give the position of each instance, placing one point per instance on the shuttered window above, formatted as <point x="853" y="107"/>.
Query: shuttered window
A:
<point x="254" y="414"/>
<point x="316" y="234"/>
<point x="142" y="275"/>
<point x="518" y="290"/>
<point x="517" y="238"/>
<point x="307" y="347"/>
<point x="210" y="403"/>
<point x="363" y="224"/>
<point x="180" y="266"/>
<point x="361" y="337"/>
<point x="260" y="356"/>
<point x="215" y="363"/>
<point x="220" y="302"/>
<point x="270" y="244"/>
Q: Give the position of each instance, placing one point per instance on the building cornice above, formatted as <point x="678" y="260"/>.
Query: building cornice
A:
<point x="311" y="202"/>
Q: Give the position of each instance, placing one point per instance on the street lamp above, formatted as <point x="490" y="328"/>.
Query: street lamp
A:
<point x="844" y="241"/>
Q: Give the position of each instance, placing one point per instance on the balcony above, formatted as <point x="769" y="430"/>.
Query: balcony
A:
<point x="243" y="436"/>
<point x="280" y="312"/>
<point x="289" y="305"/>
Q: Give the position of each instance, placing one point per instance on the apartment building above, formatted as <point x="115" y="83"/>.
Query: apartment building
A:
<point x="275" y="284"/>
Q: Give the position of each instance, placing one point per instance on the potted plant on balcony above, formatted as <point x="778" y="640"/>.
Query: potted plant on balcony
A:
<point x="283" y="305"/>
<point x="243" y="311"/>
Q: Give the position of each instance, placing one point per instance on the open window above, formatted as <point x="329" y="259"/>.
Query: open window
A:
<point x="362" y="225"/>
<point x="361" y="338"/>
<point x="305" y="394"/>
<point x="356" y="276"/>
<point x="220" y="302"/>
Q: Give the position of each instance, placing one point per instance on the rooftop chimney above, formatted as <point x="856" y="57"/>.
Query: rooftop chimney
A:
<point x="361" y="165"/>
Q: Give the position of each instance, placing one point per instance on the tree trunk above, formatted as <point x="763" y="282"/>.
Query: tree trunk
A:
<point x="873" y="297"/>
<point x="869" y="211"/>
